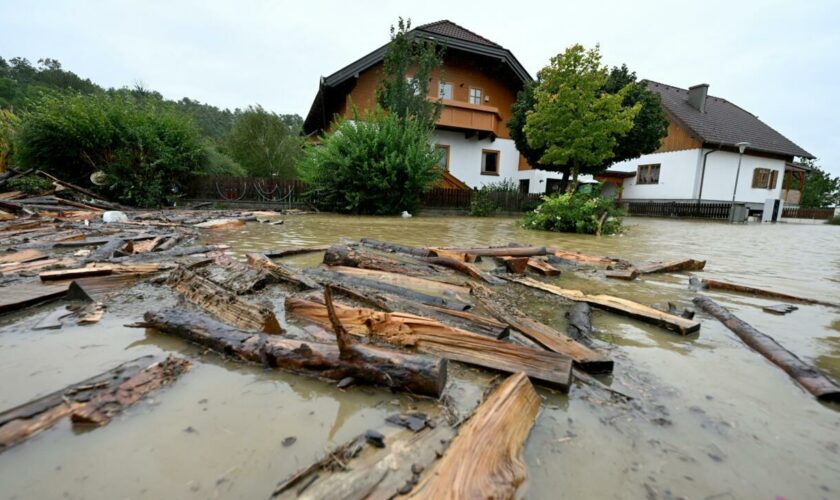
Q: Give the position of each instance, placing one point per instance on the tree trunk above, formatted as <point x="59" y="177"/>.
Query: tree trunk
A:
<point x="281" y="272"/>
<point x="733" y="287"/>
<point x="385" y="246"/>
<point x="350" y="257"/>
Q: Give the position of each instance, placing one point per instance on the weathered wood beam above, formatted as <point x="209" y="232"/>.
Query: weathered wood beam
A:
<point x="93" y="401"/>
<point x="749" y="290"/>
<point x="515" y="251"/>
<point x="542" y="267"/>
<point x="415" y="373"/>
<point x="464" y="267"/>
<point x="338" y="255"/>
<point x="673" y="266"/>
<point x="626" y="307"/>
<point x="628" y="274"/>
<point x="285" y="252"/>
<point x="105" y="270"/>
<point x="238" y="277"/>
<point x="385" y="246"/>
<point x="485" y="458"/>
<point x="515" y="265"/>
<point x="15" y="297"/>
<point x="283" y="273"/>
<point x="22" y="257"/>
<point x="806" y="375"/>
<point x="420" y="284"/>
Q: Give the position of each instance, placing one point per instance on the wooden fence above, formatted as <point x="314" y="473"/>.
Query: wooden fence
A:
<point x="229" y="188"/>
<point x="685" y="209"/>
<point x="507" y="201"/>
<point x="808" y="213"/>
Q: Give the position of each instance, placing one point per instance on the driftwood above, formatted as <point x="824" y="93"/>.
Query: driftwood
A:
<point x="542" y="267"/>
<point x="238" y="277"/>
<point x="673" y="266"/>
<point x="397" y="248"/>
<point x="515" y="265"/>
<point x="414" y="373"/>
<point x="629" y="308"/>
<point x="22" y="257"/>
<point x="168" y="243"/>
<point x="628" y="274"/>
<point x="464" y="267"/>
<point x="485" y="459"/>
<point x="353" y="257"/>
<point x="16" y="297"/>
<point x="419" y="284"/>
<point x="430" y="336"/>
<point x="510" y="251"/>
<point x="806" y="375"/>
<point x="734" y="287"/>
<point x="220" y="223"/>
<point x="105" y="270"/>
<point x="285" y="252"/>
<point x="106" y="251"/>
<point x="282" y="273"/>
<point x="543" y="335"/>
<point x="583" y="258"/>
<point x="94" y="401"/>
<point x="37" y="265"/>
<point x="222" y="304"/>
<point x="579" y="317"/>
<point x="161" y="255"/>
<point x="455" y="255"/>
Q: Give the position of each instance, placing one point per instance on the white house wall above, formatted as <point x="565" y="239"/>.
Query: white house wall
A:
<point x="720" y="177"/>
<point x="677" y="176"/>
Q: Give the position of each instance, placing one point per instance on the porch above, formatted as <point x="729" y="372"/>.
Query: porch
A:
<point x="793" y="183"/>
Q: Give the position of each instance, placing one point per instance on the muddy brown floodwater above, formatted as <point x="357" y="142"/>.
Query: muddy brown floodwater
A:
<point x="711" y="418"/>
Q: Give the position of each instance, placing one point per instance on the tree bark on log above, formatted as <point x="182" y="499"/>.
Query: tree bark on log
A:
<point x="283" y="273"/>
<point x="385" y="246"/>
<point x="93" y="401"/>
<point x="455" y="255"/>
<point x="629" y="308"/>
<point x="673" y="266"/>
<point x="238" y="277"/>
<point x="580" y="323"/>
<point x="423" y="285"/>
<point x="415" y="373"/>
<point x="106" y="251"/>
<point x="465" y="268"/>
<point x="430" y="336"/>
<point x="806" y="375"/>
<point x="733" y="287"/>
<point x="350" y="257"/>
<point x="222" y="304"/>
<point x="485" y="458"/>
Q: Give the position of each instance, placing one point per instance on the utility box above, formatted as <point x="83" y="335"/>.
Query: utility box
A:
<point x="738" y="213"/>
<point x="772" y="210"/>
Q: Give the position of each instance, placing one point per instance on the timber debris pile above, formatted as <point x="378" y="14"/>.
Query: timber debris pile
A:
<point x="372" y="313"/>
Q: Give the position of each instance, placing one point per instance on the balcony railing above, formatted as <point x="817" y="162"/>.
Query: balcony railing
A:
<point x="470" y="117"/>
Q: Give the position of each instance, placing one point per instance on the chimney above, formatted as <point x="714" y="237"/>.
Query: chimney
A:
<point x="697" y="96"/>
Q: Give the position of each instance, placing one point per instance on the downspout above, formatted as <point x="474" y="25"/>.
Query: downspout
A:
<point x="703" y="171"/>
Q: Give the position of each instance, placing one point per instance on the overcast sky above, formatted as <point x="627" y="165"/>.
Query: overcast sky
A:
<point x="779" y="60"/>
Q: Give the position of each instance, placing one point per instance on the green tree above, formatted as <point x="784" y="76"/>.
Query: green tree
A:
<point x="408" y="65"/>
<point x="376" y="164"/>
<point x="267" y="144"/>
<point x="821" y="189"/>
<point x="145" y="151"/>
<point x="8" y="126"/>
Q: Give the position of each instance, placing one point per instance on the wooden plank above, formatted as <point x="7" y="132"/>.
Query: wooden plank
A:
<point x="285" y="252"/>
<point x="464" y="267"/>
<point x="22" y="257"/>
<point x="220" y="223"/>
<point x="16" y="297"/>
<point x="421" y="284"/>
<point x="396" y="248"/>
<point x="806" y="375"/>
<point x="583" y="258"/>
<point x="542" y="267"/>
<point x="430" y="336"/>
<point x="516" y="265"/>
<point x="37" y="265"/>
<point x="340" y="255"/>
<point x="629" y="308"/>
<point x="485" y="459"/>
<point x="501" y="251"/>
<point x="734" y="287"/>
<point x="622" y="274"/>
<point x="105" y="270"/>
<point x="94" y="401"/>
<point x="673" y="266"/>
<point x="222" y="304"/>
<point x="282" y="273"/>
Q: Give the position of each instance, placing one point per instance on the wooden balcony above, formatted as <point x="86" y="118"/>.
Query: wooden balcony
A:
<point x="470" y="118"/>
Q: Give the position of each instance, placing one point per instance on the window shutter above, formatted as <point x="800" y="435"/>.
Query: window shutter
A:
<point x="773" y="177"/>
<point x="756" y="178"/>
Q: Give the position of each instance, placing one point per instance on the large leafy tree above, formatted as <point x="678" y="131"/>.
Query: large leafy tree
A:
<point x="821" y="189"/>
<point x="573" y="120"/>
<point x="407" y="68"/>
<point x="266" y="144"/>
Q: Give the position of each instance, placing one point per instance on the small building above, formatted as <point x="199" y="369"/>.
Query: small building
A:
<point x="698" y="159"/>
<point x="477" y="85"/>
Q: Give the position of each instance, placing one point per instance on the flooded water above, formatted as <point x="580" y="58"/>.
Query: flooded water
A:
<point x="710" y="419"/>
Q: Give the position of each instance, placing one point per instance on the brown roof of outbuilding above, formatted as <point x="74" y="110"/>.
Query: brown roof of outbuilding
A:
<point x="450" y="29"/>
<point x="724" y="123"/>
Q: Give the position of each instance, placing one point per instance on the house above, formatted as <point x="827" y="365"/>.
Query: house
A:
<point x="477" y="85"/>
<point x="698" y="159"/>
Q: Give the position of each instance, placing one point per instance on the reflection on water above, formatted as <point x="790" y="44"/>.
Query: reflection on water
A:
<point x="711" y="418"/>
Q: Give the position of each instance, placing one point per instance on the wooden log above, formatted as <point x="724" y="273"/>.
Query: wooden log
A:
<point x="418" y="374"/>
<point x="580" y="322"/>
<point x="734" y="287"/>
<point x="238" y="277"/>
<point x="169" y="243"/>
<point x="94" y="401"/>
<point x="485" y="459"/>
<point x="106" y="251"/>
<point x="629" y="308"/>
<point x="147" y="245"/>
<point x="806" y="375"/>
<point x="220" y="223"/>
<point x="396" y="248"/>
<point x="222" y="304"/>
<point x="583" y="258"/>
<point x="353" y="257"/>
<point x="515" y="265"/>
<point x="285" y="252"/>
<point x="464" y="267"/>
<point x="509" y="251"/>
<point x="673" y="266"/>
<point x="628" y="274"/>
<point x="430" y="336"/>
<point x="22" y="257"/>
<point x="413" y="282"/>
<point x="543" y="335"/>
<point x="542" y="267"/>
<point x="457" y="256"/>
<point x="282" y="273"/>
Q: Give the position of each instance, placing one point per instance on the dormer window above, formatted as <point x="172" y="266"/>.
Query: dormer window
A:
<point x="445" y="91"/>
<point x="475" y="95"/>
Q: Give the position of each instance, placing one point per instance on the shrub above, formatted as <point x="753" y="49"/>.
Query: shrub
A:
<point x="483" y="201"/>
<point x="145" y="149"/>
<point x="834" y="220"/>
<point x="31" y="184"/>
<point x="575" y="213"/>
<point x="378" y="164"/>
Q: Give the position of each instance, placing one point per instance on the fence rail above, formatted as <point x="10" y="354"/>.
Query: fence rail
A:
<point x="507" y="201"/>
<point x="808" y="213"/>
<point x="692" y="210"/>
<point x="229" y="188"/>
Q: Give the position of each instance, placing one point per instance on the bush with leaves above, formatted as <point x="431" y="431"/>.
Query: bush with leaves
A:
<point x="374" y="164"/>
<point x="31" y="184"/>
<point x="484" y="200"/>
<point x="579" y="212"/>
<point x="267" y="144"/>
<point x="145" y="150"/>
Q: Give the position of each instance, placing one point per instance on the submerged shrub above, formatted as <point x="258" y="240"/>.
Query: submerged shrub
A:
<point x="575" y="213"/>
<point x="31" y="184"/>
<point x="377" y="164"/>
<point x="834" y="220"/>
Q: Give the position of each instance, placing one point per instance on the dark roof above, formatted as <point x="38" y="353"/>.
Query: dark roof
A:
<point x="724" y="123"/>
<point x="449" y="29"/>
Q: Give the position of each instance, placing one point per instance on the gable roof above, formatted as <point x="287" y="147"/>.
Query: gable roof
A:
<point x="449" y="29"/>
<point x="724" y="123"/>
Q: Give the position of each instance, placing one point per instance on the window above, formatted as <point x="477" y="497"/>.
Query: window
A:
<point x="445" y="91"/>
<point x="489" y="162"/>
<point x="475" y="96"/>
<point x="524" y="186"/>
<point x="443" y="151"/>
<point x="764" y="178"/>
<point x="648" y="174"/>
